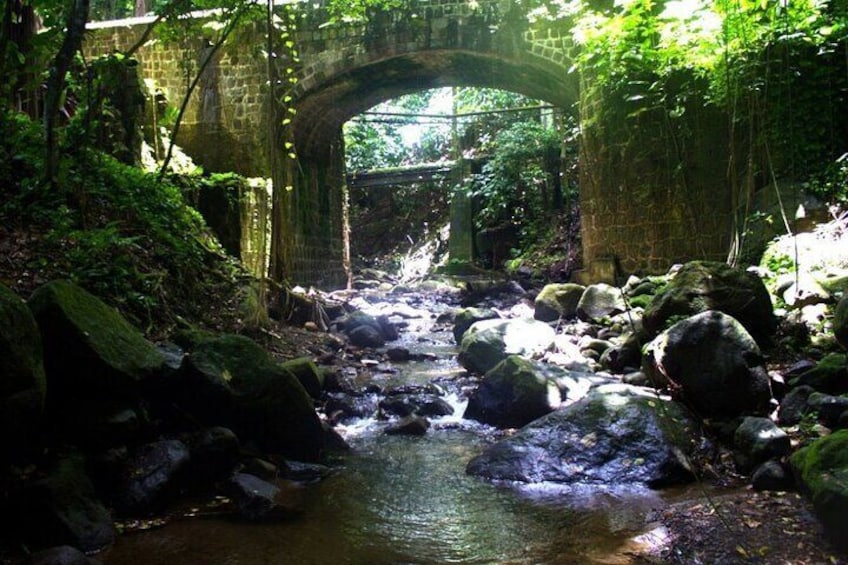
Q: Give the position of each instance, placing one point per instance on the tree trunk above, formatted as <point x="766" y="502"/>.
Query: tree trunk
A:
<point x="75" y="28"/>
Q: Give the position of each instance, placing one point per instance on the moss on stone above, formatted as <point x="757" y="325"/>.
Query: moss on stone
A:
<point x="22" y="365"/>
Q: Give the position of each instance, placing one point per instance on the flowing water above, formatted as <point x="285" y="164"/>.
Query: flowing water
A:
<point x="399" y="499"/>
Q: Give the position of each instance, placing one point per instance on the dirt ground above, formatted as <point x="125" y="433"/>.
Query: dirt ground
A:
<point x="742" y="526"/>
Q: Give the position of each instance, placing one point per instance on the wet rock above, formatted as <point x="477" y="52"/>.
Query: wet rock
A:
<point x="61" y="555"/>
<point x="307" y="373"/>
<point x="398" y="354"/>
<point x="623" y="356"/>
<point x="713" y="363"/>
<point x="617" y="434"/>
<point x="557" y="300"/>
<point x="772" y="475"/>
<point x="600" y="301"/>
<point x="420" y="404"/>
<point x="231" y="381"/>
<point x="366" y="336"/>
<point x="258" y="500"/>
<point x="467" y="317"/>
<point x="794" y="405"/>
<point x="154" y="475"/>
<point x="214" y="453"/>
<point x="821" y="471"/>
<point x="303" y="472"/>
<point x="22" y="380"/>
<point x="261" y="468"/>
<point x="703" y="285"/>
<point x="512" y="394"/>
<point x="804" y="292"/>
<point x="757" y="440"/>
<point x="344" y="407"/>
<point x="489" y="342"/>
<point x="62" y="509"/>
<point x="409" y="426"/>
<point x="840" y="322"/>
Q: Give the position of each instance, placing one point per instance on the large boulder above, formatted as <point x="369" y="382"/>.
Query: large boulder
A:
<point x="97" y="364"/>
<point x="840" y="322"/>
<point x="821" y="471"/>
<point x="756" y="441"/>
<point x="307" y="373"/>
<point x="154" y="474"/>
<point x="62" y="509"/>
<point x="489" y="342"/>
<point x="22" y="380"/>
<point x="557" y="300"/>
<point x="713" y="364"/>
<point x="617" y="434"/>
<point x="365" y="330"/>
<point x="829" y="375"/>
<point x="600" y="301"/>
<point x="512" y="394"/>
<point x="257" y="499"/>
<point x="467" y="317"/>
<point x="704" y="285"/>
<point x="231" y="381"/>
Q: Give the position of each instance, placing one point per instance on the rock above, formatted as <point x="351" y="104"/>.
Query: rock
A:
<point x="22" y="380"/>
<point x="467" y="317"/>
<point x="512" y="394"/>
<point x="821" y="472"/>
<point x="154" y="475"/>
<point x="398" y="354"/>
<point x="757" y="440"/>
<point x="61" y="555"/>
<point x="366" y="336"/>
<point x="804" y="292"/>
<point x="89" y="345"/>
<point x="714" y="363"/>
<point x="341" y="406"/>
<point x="308" y="375"/>
<point x="62" y="509"/>
<point x="304" y="472"/>
<point x="830" y="375"/>
<point x="214" y="452"/>
<point x="260" y="500"/>
<point x="829" y="408"/>
<point x="840" y="322"/>
<point x="257" y="467"/>
<point x="702" y="285"/>
<point x="91" y="353"/>
<point x="387" y="328"/>
<point x="233" y="382"/>
<point x="489" y="342"/>
<point x="794" y="405"/>
<point x="626" y="355"/>
<point x="617" y="434"/>
<point x="600" y="301"/>
<point x="772" y="475"/>
<point x="420" y="404"/>
<point x="557" y="300"/>
<point x="409" y="426"/>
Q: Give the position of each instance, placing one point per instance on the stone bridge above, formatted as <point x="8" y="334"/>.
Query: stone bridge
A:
<point x="293" y="134"/>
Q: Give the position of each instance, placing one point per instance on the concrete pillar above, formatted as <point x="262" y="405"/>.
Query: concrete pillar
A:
<point x="461" y="242"/>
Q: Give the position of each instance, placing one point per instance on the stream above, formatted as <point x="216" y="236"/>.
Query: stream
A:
<point x="402" y="500"/>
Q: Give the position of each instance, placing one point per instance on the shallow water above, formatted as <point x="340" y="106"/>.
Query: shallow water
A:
<point x="407" y="500"/>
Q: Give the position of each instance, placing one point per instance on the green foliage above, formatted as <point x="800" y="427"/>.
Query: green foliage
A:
<point x="514" y="185"/>
<point x="121" y="234"/>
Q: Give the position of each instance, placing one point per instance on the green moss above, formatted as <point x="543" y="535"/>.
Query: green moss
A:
<point x="20" y="347"/>
<point x="822" y="468"/>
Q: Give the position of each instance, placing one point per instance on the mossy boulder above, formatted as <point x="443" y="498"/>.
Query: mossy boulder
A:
<point x="231" y="381"/>
<point x="705" y="285"/>
<point x="489" y="342"/>
<point x="88" y="343"/>
<point x="307" y="373"/>
<point x="93" y="357"/>
<point x="467" y="317"/>
<point x="830" y="375"/>
<point x="512" y="394"/>
<point x="557" y="300"/>
<point x="22" y="380"/>
<point x="618" y="434"/>
<point x="600" y="301"/>
<point x="821" y="470"/>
